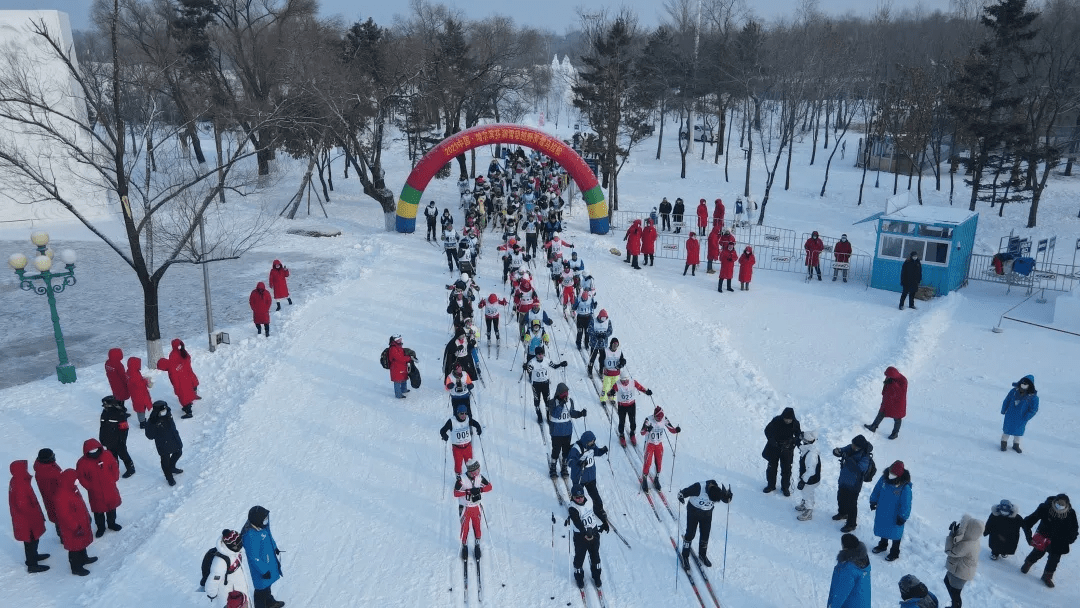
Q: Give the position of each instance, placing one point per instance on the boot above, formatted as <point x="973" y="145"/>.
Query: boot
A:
<point x="290" y="301"/>
<point x="1004" y="445"/>
<point x="187" y="411"/>
<point x="806" y="515"/>
<point x="1028" y="563"/>
<point x="278" y="306"/>
<point x="35" y="568"/>
<point x="563" y="471"/>
<point x="476" y="550"/>
<point x="464" y="551"/>
<point x="787" y="491"/>
<point x="870" y="427"/>
<point x="551" y="469"/>
<point x="1016" y="448"/>
<point x="882" y="546"/>
<point x="1047" y="577"/>
<point x="656" y="481"/>
<point x="644" y="484"/>
<point x="129" y="472"/>
<point x="115" y="527"/>
<point x="177" y="471"/>
<point x="896" y="428"/>
<point x="801" y="506"/>
<point x="703" y="550"/>
<point x="769" y="488"/>
<point x="622" y="440"/>
<point x="894" y="554"/>
<point x="848" y="528"/>
<point x="579" y="578"/>
<point x="686" y="554"/>
<point x="633" y="438"/>
<point x="539" y="418"/>
<point x="839" y="516"/>
<point x="596" y="577"/>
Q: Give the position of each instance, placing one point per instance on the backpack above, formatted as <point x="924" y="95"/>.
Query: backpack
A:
<point x="871" y="471"/>
<point x="208" y="561"/>
<point x="384" y="358"/>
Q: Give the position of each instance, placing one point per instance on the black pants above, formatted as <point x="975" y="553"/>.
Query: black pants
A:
<point x="847" y="502"/>
<point x="108" y="518"/>
<point x="881" y="416"/>
<point x="530" y="243"/>
<point x="909" y="293"/>
<point x="678" y="220"/>
<point x="598" y="504"/>
<point x="593" y="354"/>
<point x="592" y="547"/>
<point x="540" y="392"/>
<point x="650" y="259"/>
<point x="560" y="448"/>
<point x="665" y="221"/>
<point x="627" y="411"/>
<point x="168" y="463"/>
<point x="430" y="229"/>
<point x="634" y="262"/>
<point x="783" y="458"/>
<point x="696" y="518"/>
<point x="78" y="559"/>
<point x="491" y="323"/>
<point x="451" y="258"/>
<point x="954" y="594"/>
<point x="119" y="449"/>
<point x="583" y="322"/>
<point x="692" y="268"/>
<point x="261" y="598"/>
<point x="1051" y="562"/>
<point x="810" y="271"/>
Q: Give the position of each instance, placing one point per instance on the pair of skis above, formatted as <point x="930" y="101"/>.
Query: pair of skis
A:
<point x="465" y="575"/>
<point x="690" y="577"/>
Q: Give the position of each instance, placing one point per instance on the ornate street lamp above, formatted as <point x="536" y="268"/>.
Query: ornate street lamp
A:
<point x="54" y="282"/>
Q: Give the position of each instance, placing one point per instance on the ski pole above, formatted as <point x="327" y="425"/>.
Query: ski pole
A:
<point x="553" y="548"/>
<point x="674" y="453"/>
<point x="444" y="462"/>
<point x="514" y="362"/>
<point x="482" y="452"/>
<point x="678" y="525"/>
<point x="483" y="512"/>
<point x="727" y="526"/>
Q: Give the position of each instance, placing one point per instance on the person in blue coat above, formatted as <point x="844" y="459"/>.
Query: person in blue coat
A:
<point x="262" y="554"/>
<point x="850" y="587"/>
<point x="1020" y="405"/>
<point x="854" y="462"/>
<point x="560" y="415"/>
<point x="914" y="594"/>
<point x="891" y="500"/>
<point x="582" y="459"/>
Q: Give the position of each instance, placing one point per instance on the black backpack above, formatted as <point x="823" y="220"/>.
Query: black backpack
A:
<point x="208" y="561"/>
<point x="384" y="358"/>
<point x="871" y="471"/>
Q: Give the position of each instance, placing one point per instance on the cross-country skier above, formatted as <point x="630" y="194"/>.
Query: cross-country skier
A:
<point x="610" y="366"/>
<point x="809" y="474"/>
<point x="589" y="522"/>
<point x="533" y="338"/>
<point x="582" y="460"/>
<point x="460" y="308"/>
<point x="655" y="426"/>
<point x="460" y="385"/>
<point x="535" y="313"/>
<point x="490" y="306"/>
<point x="470" y="488"/>
<point x="536" y="366"/>
<point x="532" y="230"/>
<point x="626" y="390"/>
<point x="457" y="352"/>
<point x="460" y="427"/>
<point x="450" y="240"/>
<point x="560" y="412"/>
<point x="699" y="510"/>
<point x="576" y="264"/>
<point x="584" y="306"/>
<point x="599" y="332"/>
<point x="567" y="280"/>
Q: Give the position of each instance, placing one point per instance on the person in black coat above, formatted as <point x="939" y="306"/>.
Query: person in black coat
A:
<point x="161" y="428"/>
<point x="910" y="277"/>
<point x="665" y="215"/>
<point x="782" y="435"/>
<point x="1057" y="530"/>
<point x="677" y="214"/>
<point x="113" y="431"/>
<point x="1003" y="528"/>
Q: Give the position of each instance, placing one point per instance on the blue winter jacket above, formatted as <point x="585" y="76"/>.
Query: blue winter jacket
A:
<point x="852" y="467"/>
<point x="261" y="553"/>
<point x="598" y="338"/>
<point x="850" y="586"/>
<point x="893" y="500"/>
<point x="930" y="601"/>
<point x="560" y="417"/>
<point x="1019" y="409"/>
<point x="583" y="463"/>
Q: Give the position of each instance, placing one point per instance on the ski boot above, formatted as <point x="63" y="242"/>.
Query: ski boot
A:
<point x="703" y="550"/>
<point x="644" y="484"/>
<point x="806" y="515"/>
<point x="564" y="472"/>
<point x="464" y="551"/>
<point x="596" y="578"/>
<point x="656" y="481"/>
<point x="539" y="418"/>
<point x="476" y="550"/>
<point x="551" y="469"/>
<point x="579" y="578"/>
<point x="685" y="554"/>
<point x="633" y="438"/>
<point x="622" y="440"/>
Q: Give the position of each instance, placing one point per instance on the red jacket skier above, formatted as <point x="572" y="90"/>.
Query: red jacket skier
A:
<point x="278" y="282"/>
<point x="114" y="372"/>
<point x="98" y="472"/>
<point x="47" y="473"/>
<point x="27" y="520"/>
<point x="470" y="488"/>
<point x="139" y="388"/>
<point x="702" y="216"/>
<point x="746" y="267"/>
<point x="260" y="301"/>
<point x="728" y="257"/>
<point x="654" y="427"/>
<point x="718" y="213"/>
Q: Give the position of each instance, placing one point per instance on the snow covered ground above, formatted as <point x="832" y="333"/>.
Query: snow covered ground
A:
<point x="305" y="422"/>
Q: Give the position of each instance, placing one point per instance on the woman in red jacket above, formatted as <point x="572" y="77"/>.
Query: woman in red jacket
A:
<point x="813" y="247"/>
<point x="278" y="275"/>
<point x="184" y="381"/>
<point x="633" y="244"/>
<point x="260" y="301"/>
<point x="648" y="243"/>
<point x="399" y="366"/>
<point x="114" y="372"/>
<point x="73" y="519"/>
<point x="182" y="357"/>
<point x="893" y="401"/>
<point x="728" y="257"/>
<point x="841" y="255"/>
<point x="27" y="521"/>
<point x="693" y="257"/>
<point x="98" y="473"/>
<point x="139" y="388"/>
<point x="47" y="474"/>
<point x="718" y="213"/>
<point x="746" y="268"/>
<point x="712" y="252"/>
<point x="702" y="216"/>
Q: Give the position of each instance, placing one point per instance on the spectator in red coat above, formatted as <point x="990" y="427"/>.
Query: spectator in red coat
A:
<point x="712" y="252"/>
<point x="746" y="268"/>
<point x="181" y="356"/>
<point x="813" y="246"/>
<point x="47" y="473"/>
<point x="98" y="473"/>
<point x="399" y="366"/>
<point x="693" y="257"/>
<point x="648" y="243"/>
<point x="702" y="216"/>
<point x="633" y="244"/>
<point x="114" y="372"/>
<point x="893" y="401"/>
<point x="842" y="255"/>
<point x="139" y="387"/>
<point x="728" y="257"/>
<point x="27" y="521"/>
<point x="278" y="283"/>
<point x="260" y="301"/>
<point x="181" y="384"/>
<point x="73" y="519"/>
<point x="718" y="213"/>
<point x="726" y="237"/>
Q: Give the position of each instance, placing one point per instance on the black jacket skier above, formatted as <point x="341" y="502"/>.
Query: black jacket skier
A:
<point x="699" y="510"/>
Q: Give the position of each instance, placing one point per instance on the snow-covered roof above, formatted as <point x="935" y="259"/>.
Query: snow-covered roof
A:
<point x="929" y="214"/>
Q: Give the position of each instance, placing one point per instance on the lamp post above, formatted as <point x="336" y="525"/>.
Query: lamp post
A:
<point x="54" y="282"/>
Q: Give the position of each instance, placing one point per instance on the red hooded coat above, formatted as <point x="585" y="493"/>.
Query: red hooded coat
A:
<point x="99" y="476"/>
<point x="278" y="274"/>
<point x="180" y="355"/>
<point x="633" y="238"/>
<point x="140" y="392"/>
<point x="894" y="394"/>
<point x="114" y="371"/>
<point x="693" y="250"/>
<point x="702" y="214"/>
<point x="71" y="514"/>
<point x="813" y="248"/>
<point x="48" y="482"/>
<point x="181" y="381"/>
<point x="718" y="213"/>
<point x="713" y="252"/>
<point x="260" y="301"/>
<point x="27" y="521"/>
<point x="842" y="251"/>
<point x="746" y="265"/>
<point x="728" y="257"/>
<point x="648" y="239"/>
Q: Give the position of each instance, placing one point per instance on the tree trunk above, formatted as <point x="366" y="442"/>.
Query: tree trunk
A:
<point x="196" y="145"/>
<point x="813" y="148"/>
<point x="727" y="152"/>
<point x="749" y="155"/>
<point x="976" y="178"/>
<point x="151" y="316"/>
<point x="721" y="129"/>
<point x="828" y="122"/>
<point x="660" y="138"/>
<point x="864" y="152"/>
<point x="791" y="146"/>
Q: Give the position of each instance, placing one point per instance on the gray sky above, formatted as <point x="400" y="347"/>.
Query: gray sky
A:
<point x="555" y="15"/>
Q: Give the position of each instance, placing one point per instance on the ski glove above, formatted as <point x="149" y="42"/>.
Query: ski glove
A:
<point x="584" y="411"/>
<point x="725" y="494"/>
<point x="475" y="494"/>
<point x="563" y="364"/>
<point x="605" y="527"/>
<point x="678" y="429"/>
<point x="836" y="452"/>
<point x="802" y="484"/>
<point x="648" y="391"/>
<point x="873" y="506"/>
<point x="681" y="497"/>
<point x="900" y="520"/>
<point x="266" y="575"/>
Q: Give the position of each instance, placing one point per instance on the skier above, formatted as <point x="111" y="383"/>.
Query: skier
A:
<point x="693" y="257"/>
<point x="532" y="230"/>
<point x="161" y="429"/>
<point x="648" y="243"/>
<point x="910" y="277"/>
<point x="567" y="281"/>
<point x="1019" y="406"/>
<point x="589" y="522"/>
<point x="599" y="332"/>
<point x="702" y="216"/>
<point x="633" y="244"/>
<point x="1057" y="530"/>
<point x="560" y="412"/>
<point x="117" y="377"/>
<point x="139" y="388"/>
<point x="450" y="240"/>
<point x="460" y="385"/>
<point x="446" y="221"/>
<point x="891" y="501"/>
<point x="809" y="474"/>
<point x="458" y="351"/>
<point x="813" y="246"/>
<point x="654" y="426"/>
<point x="279" y="283"/>
<point x="610" y="367"/>
<point x="228" y="572"/>
<point x="665" y="215"/>
<point x="73" y="523"/>
<point x="850" y="585"/>
<point x="490" y="306"/>
<point x="399" y="366"/>
<point x="746" y="268"/>
<point x="431" y="214"/>
<point x="712" y="249"/>
<point x="113" y="431"/>
<point x="718" y="213"/>
<point x="914" y="594"/>
<point x="677" y="214"/>
<point x="461" y="426"/>
<point x="263" y="555"/>
<point x="627" y="388"/>
<point x="841" y="255"/>
<point x="533" y="314"/>
<point x="854" y="462"/>
<point x="582" y="459"/>
<point x="702" y="496"/>
<point x="27" y="520"/>
<point x="893" y="402"/>
<point x="98" y="473"/>
<point x="537" y="369"/>
<point x="728" y="257"/>
<point x="962" y="556"/>
<point x="584" y="306"/>
<point x="1003" y="527"/>
<point x="782" y="434"/>
<point x="259" y="301"/>
<point x="470" y="488"/>
<point x="577" y="266"/>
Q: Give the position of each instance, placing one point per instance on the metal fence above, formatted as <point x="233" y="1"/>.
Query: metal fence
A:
<point x="1055" y="277"/>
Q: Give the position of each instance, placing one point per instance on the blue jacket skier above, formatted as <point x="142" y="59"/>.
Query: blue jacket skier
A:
<point x="582" y="460"/>
<point x="560" y="415"/>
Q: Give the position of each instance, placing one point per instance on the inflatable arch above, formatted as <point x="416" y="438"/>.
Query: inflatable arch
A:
<point x="468" y="139"/>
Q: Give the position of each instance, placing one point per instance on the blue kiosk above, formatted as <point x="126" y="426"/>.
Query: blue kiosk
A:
<point x="943" y="237"/>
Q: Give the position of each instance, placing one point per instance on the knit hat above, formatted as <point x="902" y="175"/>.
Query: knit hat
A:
<point x="859" y="441"/>
<point x="236" y="599"/>
<point x="849" y="541"/>
<point x="461" y="409"/>
<point x="897" y="468"/>
<point x="562" y="391"/>
<point x="472" y="465"/>
<point x="46" y="456"/>
<point x="231" y="538"/>
<point x="907" y="583"/>
<point x="658" y="413"/>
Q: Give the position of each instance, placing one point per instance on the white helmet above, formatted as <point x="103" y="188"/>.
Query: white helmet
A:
<point x="554" y="235"/>
<point x="464" y="276"/>
<point x="624" y="375"/>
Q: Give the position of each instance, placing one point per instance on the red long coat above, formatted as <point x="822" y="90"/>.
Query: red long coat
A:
<point x="894" y="394"/>
<point x="633" y="238"/>
<point x="728" y="257"/>
<point x="140" y="392"/>
<point x="399" y="363"/>
<point x="179" y="355"/>
<point x="27" y="521"/>
<point x="746" y="265"/>
<point x="842" y="251"/>
<point x="99" y="476"/>
<point x="648" y="239"/>
<point x="180" y="380"/>
<point x="693" y="250"/>
<point x="48" y="483"/>
<point x="72" y="516"/>
<point x="713" y="251"/>
<point x="260" y="301"/>
<point x="813" y="249"/>
<point x="278" y="274"/>
<point x="718" y="213"/>
<point x="114" y="372"/>
<point x="702" y="214"/>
